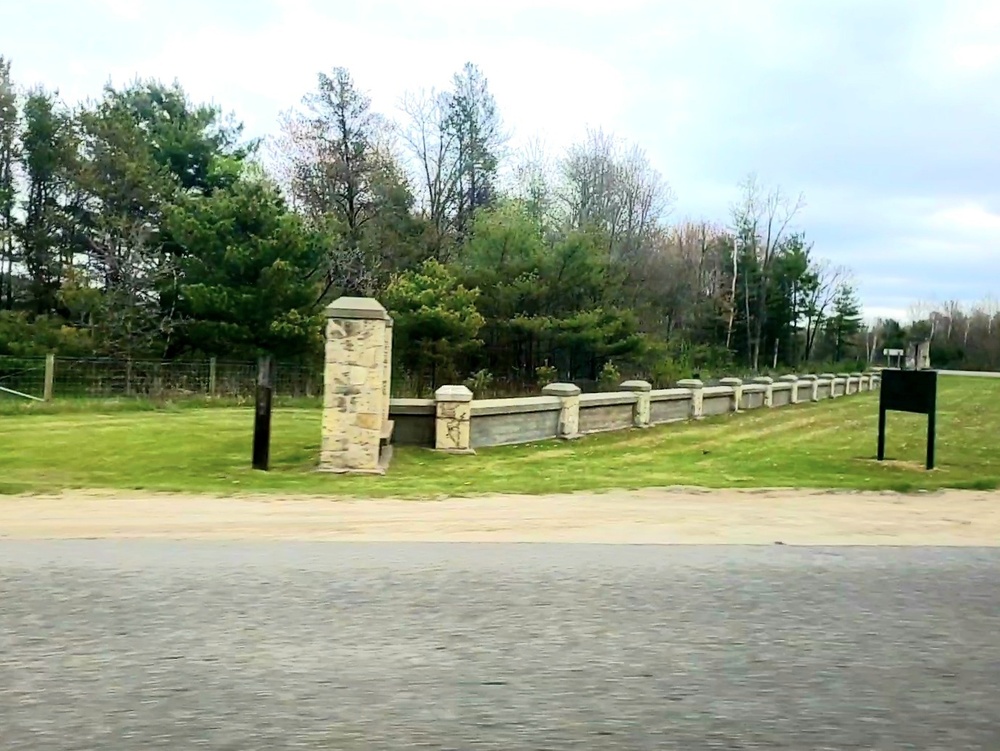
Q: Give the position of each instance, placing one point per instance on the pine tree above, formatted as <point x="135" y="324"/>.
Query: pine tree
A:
<point x="845" y="323"/>
<point x="8" y="193"/>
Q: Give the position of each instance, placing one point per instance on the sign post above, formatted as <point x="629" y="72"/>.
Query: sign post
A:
<point x="262" y="414"/>
<point x="908" y="391"/>
<point x="891" y="353"/>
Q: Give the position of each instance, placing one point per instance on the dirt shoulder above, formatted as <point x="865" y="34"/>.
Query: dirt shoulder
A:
<point x="673" y="516"/>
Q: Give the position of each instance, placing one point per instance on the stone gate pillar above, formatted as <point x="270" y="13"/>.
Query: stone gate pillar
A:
<point x="355" y="385"/>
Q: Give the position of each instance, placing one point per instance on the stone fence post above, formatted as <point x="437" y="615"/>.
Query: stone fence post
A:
<point x="833" y="383"/>
<point x="768" y="383"/>
<point x="640" y="410"/>
<point x="697" y="397"/>
<point x="355" y="395"/>
<point x="736" y="384"/>
<point x="569" y="414"/>
<point x="813" y="386"/>
<point x="453" y="420"/>
<point x="387" y="372"/>
<point x="793" y="380"/>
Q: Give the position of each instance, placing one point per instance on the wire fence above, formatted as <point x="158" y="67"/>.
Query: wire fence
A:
<point x="103" y="378"/>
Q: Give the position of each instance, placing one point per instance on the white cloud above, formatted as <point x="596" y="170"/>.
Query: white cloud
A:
<point x="967" y="219"/>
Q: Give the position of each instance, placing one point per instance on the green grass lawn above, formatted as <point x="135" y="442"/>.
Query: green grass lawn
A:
<point x="825" y="445"/>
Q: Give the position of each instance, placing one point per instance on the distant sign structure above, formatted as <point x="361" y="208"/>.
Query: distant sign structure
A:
<point x="908" y="391"/>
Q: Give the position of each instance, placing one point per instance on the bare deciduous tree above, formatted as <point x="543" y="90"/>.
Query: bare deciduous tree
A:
<point x="431" y="146"/>
<point x="761" y="218"/>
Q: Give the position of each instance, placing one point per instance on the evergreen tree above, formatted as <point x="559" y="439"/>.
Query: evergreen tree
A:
<point x="9" y="142"/>
<point x="845" y="323"/>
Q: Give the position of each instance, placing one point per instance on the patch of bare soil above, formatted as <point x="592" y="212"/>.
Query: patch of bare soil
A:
<point x="668" y="516"/>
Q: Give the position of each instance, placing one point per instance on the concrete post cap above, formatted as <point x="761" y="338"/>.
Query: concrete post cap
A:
<point x="791" y="378"/>
<point x="828" y="376"/>
<point x="690" y="383"/>
<point x="763" y="379"/>
<point x="357" y="308"/>
<point x="810" y="377"/>
<point x="561" y="389"/>
<point x="453" y="394"/>
<point x="731" y="381"/>
<point x="637" y="386"/>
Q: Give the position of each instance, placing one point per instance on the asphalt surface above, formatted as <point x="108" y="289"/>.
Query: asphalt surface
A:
<point x="147" y="645"/>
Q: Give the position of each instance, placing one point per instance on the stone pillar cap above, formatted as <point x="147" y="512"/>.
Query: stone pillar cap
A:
<point x="731" y="381"/>
<point x="827" y="375"/>
<point x="789" y="377"/>
<point x="690" y="383"/>
<point x="453" y="394"/>
<point x="357" y="308"/>
<point x="561" y="389"/>
<point x="809" y="377"/>
<point x="763" y="379"/>
<point x="636" y="386"/>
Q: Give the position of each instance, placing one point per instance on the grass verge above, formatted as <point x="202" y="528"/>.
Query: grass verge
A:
<point x="825" y="445"/>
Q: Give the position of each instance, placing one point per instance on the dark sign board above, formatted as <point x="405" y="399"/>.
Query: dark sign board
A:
<point x="908" y="391"/>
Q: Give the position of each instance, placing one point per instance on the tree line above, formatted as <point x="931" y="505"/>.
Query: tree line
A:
<point x="144" y="225"/>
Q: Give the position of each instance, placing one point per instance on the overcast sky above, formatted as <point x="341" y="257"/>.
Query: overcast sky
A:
<point x="884" y="113"/>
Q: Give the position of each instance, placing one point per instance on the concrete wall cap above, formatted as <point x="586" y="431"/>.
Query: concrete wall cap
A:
<point x="607" y="399"/>
<point x="516" y="405"/>
<point x="665" y="395"/>
<point x="789" y="378"/>
<point x="719" y="390"/>
<point x="690" y="383"/>
<point x="357" y="308"/>
<point x="637" y="386"/>
<point x="809" y="377"/>
<point x="561" y="389"/>
<point x="827" y="376"/>
<point x="763" y="379"/>
<point x="731" y="381"/>
<point x="453" y="394"/>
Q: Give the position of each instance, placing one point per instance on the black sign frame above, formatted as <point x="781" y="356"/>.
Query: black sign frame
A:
<point x="912" y="391"/>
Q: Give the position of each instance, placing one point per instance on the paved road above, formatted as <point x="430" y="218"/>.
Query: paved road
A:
<point x="146" y="645"/>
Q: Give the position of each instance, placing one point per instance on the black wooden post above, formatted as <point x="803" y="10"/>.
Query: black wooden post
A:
<point x="881" y="431"/>
<point x="930" y="439"/>
<point x="262" y="415"/>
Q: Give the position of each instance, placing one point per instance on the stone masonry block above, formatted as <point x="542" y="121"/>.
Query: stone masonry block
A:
<point x="736" y="384"/>
<point x="569" y="413"/>
<point x="697" y="397"/>
<point x="453" y="420"/>
<point x="641" y="408"/>
<point x="793" y="380"/>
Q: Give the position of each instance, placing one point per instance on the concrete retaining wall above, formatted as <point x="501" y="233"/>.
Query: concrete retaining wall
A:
<point x="498" y="422"/>
<point x="669" y="405"/>
<point x="603" y="412"/>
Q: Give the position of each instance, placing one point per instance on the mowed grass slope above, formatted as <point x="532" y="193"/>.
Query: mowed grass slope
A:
<point x="825" y="445"/>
